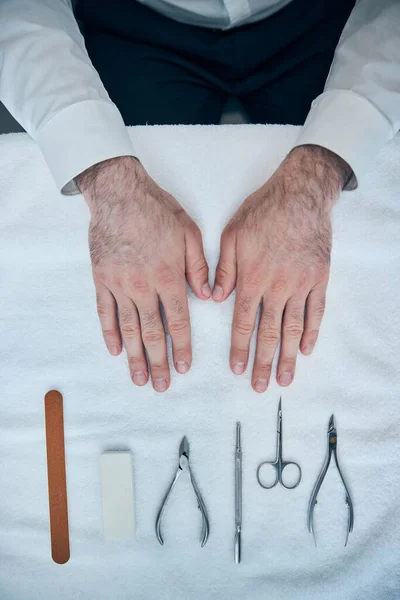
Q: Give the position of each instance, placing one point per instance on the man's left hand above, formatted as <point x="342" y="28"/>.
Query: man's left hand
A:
<point x="276" y="251"/>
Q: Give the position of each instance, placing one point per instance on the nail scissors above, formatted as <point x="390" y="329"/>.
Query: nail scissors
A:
<point x="184" y="467"/>
<point x="332" y="446"/>
<point x="278" y="464"/>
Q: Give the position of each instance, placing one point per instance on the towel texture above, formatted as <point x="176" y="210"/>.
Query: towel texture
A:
<point x="51" y="338"/>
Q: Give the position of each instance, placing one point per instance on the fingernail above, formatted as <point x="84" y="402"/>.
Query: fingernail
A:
<point x="160" y="385"/>
<point x="238" y="368"/>
<point x="308" y="349"/>
<point x="139" y="378"/>
<point x="114" y="350"/>
<point x="285" y="378"/>
<point x="218" y="292"/>
<point x="261" y="385"/>
<point x="206" y="290"/>
<point x="182" y="366"/>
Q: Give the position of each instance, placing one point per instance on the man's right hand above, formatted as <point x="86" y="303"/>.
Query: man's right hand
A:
<point x="142" y="244"/>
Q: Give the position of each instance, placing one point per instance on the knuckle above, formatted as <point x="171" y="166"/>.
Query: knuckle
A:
<point x="109" y="333"/>
<point x="302" y="283"/>
<point x="125" y="316"/>
<point x="199" y="266"/>
<point x="128" y="325"/>
<point x="152" y="337"/>
<point x="293" y="330"/>
<point x="150" y="320"/>
<point x="265" y="367"/>
<point x="252" y="278"/>
<point x="268" y="319"/>
<point x="279" y="285"/>
<point x="166" y="277"/>
<point x="103" y="308"/>
<point x="176" y="305"/>
<point x="244" y="305"/>
<point x="297" y="315"/>
<point x="178" y="326"/>
<point x="130" y="331"/>
<point x="319" y="308"/>
<point x="139" y="285"/>
<point x="223" y="269"/>
<point x="135" y="361"/>
<point x="287" y="364"/>
<point x="269" y="336"/>
<point x="239" y="351"/>
<point x="242" y="327"/>
<point x="159" y="368"/>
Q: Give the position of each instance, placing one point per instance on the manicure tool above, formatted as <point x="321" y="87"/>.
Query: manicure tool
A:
<point x="332" y="446"/>
<point x="238" y="495"/>
<point x="278" y="464"/>
<point x="57" y="483"/>
<point x="117" y="496"/>
<point x="184" y="467"/>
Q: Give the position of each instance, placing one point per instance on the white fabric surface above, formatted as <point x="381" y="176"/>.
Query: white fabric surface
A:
<point x="51" y="338"/>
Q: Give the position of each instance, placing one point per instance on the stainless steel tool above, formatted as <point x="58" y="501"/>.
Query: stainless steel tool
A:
<point x="279" y="465"/>
<point x="332" y="449"/>
<point x="238" y="496"/>
<point x="184" y="467"/>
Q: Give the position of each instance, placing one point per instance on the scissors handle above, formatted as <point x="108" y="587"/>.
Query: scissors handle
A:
<point x="280" y="473"/>
<point x="277" y="478"/>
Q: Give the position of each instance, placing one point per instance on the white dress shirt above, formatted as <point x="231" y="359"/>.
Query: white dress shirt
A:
<point x="49" y="85"/>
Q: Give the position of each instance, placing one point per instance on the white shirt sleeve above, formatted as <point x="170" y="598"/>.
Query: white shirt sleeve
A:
<point x="359" y="110"/>
<point x="49" y="85"/>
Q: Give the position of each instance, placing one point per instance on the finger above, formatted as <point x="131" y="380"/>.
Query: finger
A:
<point x="130" y="330"/>
<point x="107" y="311"/>
<point x="292" y="330"/>
<point x="246" y="305"/>
<point x="175" y="302"/>
<point x="268" y="336"/>
<point x="225" y="274"/>
<point x="315" y="308"/>
<point x="196" y="264"/>
<point x="153" y="336"/>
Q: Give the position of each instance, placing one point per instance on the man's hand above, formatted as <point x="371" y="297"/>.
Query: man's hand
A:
<point x="276" y="250"/>
<point x="142" y="242"/>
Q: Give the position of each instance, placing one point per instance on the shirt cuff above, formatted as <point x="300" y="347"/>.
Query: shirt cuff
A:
<point x="349" y="125"/>
<point x="81" y="136"/>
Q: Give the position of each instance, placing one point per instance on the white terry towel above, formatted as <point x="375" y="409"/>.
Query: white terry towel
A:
<point x="51" y="338"/>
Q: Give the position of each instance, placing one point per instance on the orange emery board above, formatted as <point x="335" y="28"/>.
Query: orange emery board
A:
<point x="54" y="415"/>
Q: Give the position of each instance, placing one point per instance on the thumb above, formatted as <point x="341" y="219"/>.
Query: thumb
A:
<point x="196" y="264"/>
<point x="225" y="274"/>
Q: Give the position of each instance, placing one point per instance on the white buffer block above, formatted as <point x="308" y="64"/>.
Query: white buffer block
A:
<point x="117" y="495"/>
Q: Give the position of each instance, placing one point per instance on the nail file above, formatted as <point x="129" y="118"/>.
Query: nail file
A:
<point x="54" y="416"/>
<point x="117" y="495"/>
